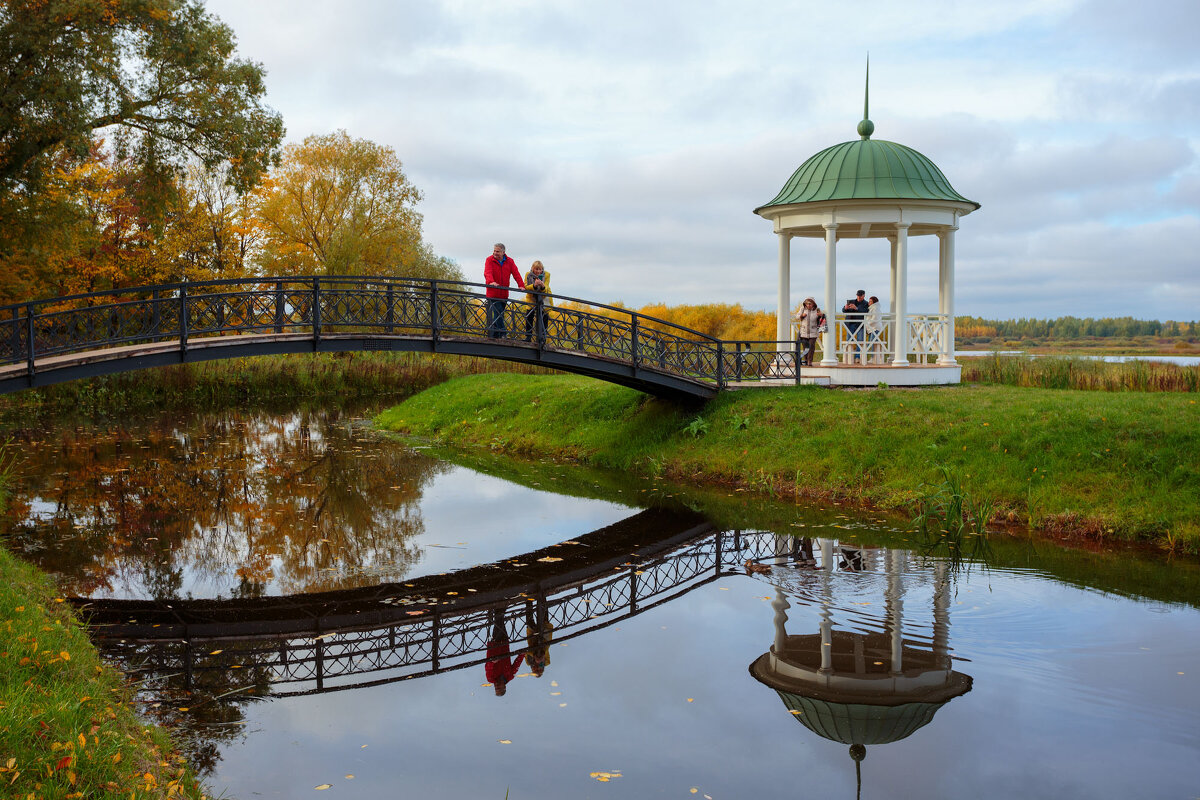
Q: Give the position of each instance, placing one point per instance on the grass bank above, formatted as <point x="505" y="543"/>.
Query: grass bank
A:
<point x="1119" y="465"/>
<point x="68" y="726"/>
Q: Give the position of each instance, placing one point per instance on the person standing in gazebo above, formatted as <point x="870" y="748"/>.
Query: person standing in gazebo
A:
<point x="855" y="309"/>
<point x="874" y="327"/>
<point x="808" y="328"/>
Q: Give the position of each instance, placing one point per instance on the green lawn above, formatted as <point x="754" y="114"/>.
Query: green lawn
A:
<point x="1124" y="465"/>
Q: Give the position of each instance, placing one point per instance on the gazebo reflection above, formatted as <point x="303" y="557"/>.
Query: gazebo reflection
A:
<point x="860" y="687"/>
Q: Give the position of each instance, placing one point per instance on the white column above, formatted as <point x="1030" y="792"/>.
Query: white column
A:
<point x="892" y="284"/>
<point x="941" y="617"/>
<point x="891" y="338"/>
<point x="783" y="319"/>
<point x="829" y="357"/>
<point x="895" y="610"/>
<point x="946" y="292"/>
<point x="781" y="605"/>
<point x="900" y="342"/>
<point x="826" y="601"/>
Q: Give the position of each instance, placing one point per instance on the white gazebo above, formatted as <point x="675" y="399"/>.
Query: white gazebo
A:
<point x="872" y="189"/>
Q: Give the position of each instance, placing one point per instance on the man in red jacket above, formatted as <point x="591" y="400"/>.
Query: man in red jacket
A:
<point x="497" y="271"/>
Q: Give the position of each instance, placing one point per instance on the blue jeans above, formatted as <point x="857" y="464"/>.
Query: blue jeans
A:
<point x="496" y="327"/>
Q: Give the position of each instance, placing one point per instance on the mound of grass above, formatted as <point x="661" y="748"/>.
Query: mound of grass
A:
<point x="1119" y="465"/>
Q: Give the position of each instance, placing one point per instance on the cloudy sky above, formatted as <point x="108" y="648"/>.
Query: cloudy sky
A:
<point x="626" y="144"/>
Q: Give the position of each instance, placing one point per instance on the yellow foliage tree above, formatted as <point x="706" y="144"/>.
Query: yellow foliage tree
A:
<point x="339" y="206"/>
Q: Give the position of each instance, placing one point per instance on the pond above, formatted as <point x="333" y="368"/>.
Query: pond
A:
<point x="314" y="606"/>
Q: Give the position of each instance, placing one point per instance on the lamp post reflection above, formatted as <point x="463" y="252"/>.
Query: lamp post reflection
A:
<point x="860" y="687"/>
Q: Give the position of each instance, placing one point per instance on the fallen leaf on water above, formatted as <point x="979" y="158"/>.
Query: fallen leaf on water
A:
<point x="216" y="652"/>
<point x="323" y="787"/>
<point x="505" y="741"/>
<point x="693" y="790"/>
<point x="549" y="559"/>
<point x="604" y="777"/>
<point x="690" y="699"/>
<point x="562" y="705"/>
<point x="350" y="777"/>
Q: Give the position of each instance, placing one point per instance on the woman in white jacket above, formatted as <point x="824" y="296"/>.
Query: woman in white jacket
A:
<point x="873" y="324"/>
<point x="808" y="328"/>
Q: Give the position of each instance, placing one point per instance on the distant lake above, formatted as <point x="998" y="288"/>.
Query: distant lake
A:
<point x="1182" y="361"/>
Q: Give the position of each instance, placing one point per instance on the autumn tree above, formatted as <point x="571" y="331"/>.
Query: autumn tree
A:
<point x="343" y="206"/>
<point x="161" y="73"/>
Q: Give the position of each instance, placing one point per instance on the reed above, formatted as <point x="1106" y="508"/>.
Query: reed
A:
<point x="217" y="384"/>
<point x="1066" y="372"/>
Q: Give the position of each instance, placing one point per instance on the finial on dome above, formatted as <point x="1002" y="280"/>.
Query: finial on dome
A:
<point x="866" y="127"/>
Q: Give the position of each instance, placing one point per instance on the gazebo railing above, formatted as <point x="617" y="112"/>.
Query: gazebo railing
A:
<point x="855" y="343"/>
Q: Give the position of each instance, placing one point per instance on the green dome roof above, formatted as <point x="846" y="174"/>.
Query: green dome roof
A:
<point x="867" y="169"/>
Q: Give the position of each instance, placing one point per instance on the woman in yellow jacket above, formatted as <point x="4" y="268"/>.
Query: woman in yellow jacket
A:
<point x="537" y="279"/>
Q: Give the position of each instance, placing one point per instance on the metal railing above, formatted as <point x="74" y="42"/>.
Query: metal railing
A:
<point x="858" y="340"/>
<point x="186" y="315"/>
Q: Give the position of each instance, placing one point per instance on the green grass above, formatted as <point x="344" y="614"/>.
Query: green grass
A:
<point x="67" y="725"/>
<point x="1102" y="464"/>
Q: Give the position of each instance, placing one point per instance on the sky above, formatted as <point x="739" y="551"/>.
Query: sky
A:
<point x="626" y="144"/>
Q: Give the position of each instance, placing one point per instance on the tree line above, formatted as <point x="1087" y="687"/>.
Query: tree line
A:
<point x="136" y="148"/>
<point x="1073" y="328"/>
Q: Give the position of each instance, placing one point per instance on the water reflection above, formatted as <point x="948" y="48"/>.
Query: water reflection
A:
<point x="234" y="505"/>
<point x="871" y="685"/>
<point x="200" y="662"/>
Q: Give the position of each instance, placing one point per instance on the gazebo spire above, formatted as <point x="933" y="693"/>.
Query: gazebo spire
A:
<point x="866" y="127"/>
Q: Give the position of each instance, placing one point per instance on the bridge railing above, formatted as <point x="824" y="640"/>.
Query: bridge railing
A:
<point x="319" y="306"/>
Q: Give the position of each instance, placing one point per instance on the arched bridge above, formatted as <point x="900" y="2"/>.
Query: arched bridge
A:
<point x="81" y="336"/>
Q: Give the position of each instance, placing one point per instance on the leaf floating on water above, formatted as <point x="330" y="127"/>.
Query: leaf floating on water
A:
<point x="216" y="652"/>
<point x="693" y="790"/>
<point x="505" y="741"/>
<point x="323" y="787"/>
<point x="350" y="777"/>
<point x="604" y="777"/>
<point x="549" y="559"/>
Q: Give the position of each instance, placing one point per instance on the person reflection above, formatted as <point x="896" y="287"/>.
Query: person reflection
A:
<point x="806" y="560"/>
<point x="498" y="669"/>
<point x="538" y="632"/>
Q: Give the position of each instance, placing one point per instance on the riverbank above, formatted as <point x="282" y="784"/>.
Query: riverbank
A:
<point x="263" y="381"/>
<point x="1114" y="465"/>
<point x="68" y="723"/>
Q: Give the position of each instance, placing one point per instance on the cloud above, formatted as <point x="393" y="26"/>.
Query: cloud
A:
<point x="627" y="144"/>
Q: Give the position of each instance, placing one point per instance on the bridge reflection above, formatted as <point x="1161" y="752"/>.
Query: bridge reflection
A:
<point x="321" y="642"/>
<point x="876" y="682"/>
